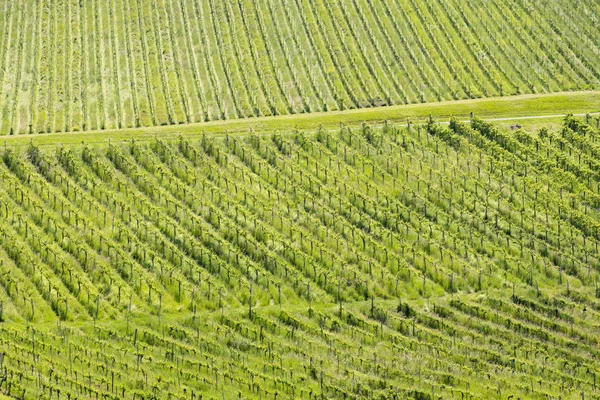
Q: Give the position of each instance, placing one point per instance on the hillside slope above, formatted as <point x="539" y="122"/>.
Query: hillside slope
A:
<point x="419" y="262"/>
<point x="69" y="65"/>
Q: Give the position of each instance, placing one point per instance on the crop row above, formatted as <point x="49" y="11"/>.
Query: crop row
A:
<point x="304" y="264"/>
<point x="371" y="349"/>
<point x="333" y="216"/>
<point x="74" y="66"/>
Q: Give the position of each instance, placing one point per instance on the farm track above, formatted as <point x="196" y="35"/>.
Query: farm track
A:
<point x="522" y="107"/>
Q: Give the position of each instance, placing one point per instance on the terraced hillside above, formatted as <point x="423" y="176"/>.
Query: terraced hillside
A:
<point x="431" y="261"/>
<point x="69" y="65"/>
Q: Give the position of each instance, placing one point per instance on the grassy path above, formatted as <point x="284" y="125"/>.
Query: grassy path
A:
<point x="541" y="106"/>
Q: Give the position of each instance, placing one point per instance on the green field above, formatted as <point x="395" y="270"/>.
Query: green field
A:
<point x="69" y="65"/>
<point x="303" y="199"/>
<point x="367" y="262"/>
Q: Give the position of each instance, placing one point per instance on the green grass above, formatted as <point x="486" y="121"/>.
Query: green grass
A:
<point x="508" y="107"/>
<point x="362" y="262"/>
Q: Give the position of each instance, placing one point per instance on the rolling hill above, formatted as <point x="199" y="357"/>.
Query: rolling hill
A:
<point x="70" y="65"/>
<point x="307" y="199"/>
<point x="420" y="262"/>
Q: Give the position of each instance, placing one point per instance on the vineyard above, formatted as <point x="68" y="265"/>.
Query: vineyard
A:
<point x="68" y="65"/>
<point x="427" y="261"/>
<point x="246" y="199"/>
